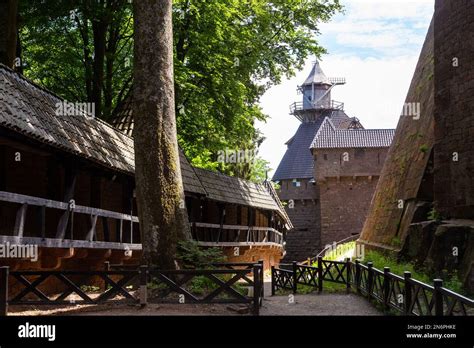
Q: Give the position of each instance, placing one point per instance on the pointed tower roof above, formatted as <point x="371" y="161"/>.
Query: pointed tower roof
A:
<point x="316" y="76"/>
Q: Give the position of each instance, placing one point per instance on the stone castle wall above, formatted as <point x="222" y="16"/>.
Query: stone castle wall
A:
<point x="302" y="206"/>
<point x="347" y="179"/>
<point x="454" y="108"/>
<point x="408" y="156"/>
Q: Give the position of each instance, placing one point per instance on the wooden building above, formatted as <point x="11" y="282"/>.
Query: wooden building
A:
<point x="67" y="186"/>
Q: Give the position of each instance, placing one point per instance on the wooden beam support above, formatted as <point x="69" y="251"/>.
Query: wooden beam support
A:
<point x="20" y="221"/>
<point x="92" y="231"/>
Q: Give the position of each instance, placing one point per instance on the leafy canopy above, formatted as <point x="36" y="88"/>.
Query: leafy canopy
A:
<point x="227" y="54"/>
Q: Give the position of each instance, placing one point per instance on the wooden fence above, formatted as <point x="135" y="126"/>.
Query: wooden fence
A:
<point x="228" y="283"/>
<point x="402" y="294"/>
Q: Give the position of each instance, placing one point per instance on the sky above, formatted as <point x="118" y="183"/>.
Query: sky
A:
<point x="375" y="45"/>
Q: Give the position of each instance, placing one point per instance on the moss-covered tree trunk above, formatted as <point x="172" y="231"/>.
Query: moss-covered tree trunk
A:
<point x="160" y="195"/>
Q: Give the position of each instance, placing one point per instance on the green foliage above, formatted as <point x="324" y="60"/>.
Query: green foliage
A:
<point x="451" y="281"/>
<point x="227" y="54"/>
<point x="90" y="288"/>
<point x="190" y="254"/>
<point x="396" y="241"/>
<point x="58" y="41"/>
<point x="434" y="215"/>
<point x="341" y="250"/>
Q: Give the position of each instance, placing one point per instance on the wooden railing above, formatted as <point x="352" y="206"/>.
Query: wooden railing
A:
<point x="405" y="295"/>
<point x="333" y="105"/>
<point x="235" y="235"/>
<point x="204" y="233"/>
<point x="65" y="224"/>
<point x="229" y="283"/>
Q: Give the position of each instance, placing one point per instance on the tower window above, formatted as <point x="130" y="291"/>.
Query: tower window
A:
<point x="325" y="157"/>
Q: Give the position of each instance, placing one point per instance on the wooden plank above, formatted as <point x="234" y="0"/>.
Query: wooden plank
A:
<point x="66" y="243"/>
<point x="92" y="231"/>
<point x="20" y="221"/>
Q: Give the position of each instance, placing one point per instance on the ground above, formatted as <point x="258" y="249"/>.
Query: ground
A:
<point x="310" y="304"/>
<point x="318" y="304"/>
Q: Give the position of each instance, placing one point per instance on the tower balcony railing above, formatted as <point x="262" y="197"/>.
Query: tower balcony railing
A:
<point x="298" y="107"/>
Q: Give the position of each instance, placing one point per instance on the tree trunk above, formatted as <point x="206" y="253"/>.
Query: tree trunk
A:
<point x="8" y="31"/>
<point x="160" y="195"/>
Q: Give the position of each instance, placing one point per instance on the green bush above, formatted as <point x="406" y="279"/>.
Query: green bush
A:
<point x="191" y="255"/>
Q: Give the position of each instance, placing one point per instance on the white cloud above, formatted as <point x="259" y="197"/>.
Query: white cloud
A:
<point x="390" y="9"/>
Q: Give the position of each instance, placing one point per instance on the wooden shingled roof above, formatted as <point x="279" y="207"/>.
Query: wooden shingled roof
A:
<point x="230" y="189"/>
<point x="30" y="110"/>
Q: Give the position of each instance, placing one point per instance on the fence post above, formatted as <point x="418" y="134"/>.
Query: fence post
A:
<point x="348" y="276"/>
<point x="438" y="297"/>
<point x="273" y="280"/>
<point x="143" y="273"/>
<point x="106" y="268"/>
<point x="370" y="279"/>
<point x="357" y="275"/>
<point x="4" y="271"/>
<point x="262" y="276"/>
<point x="295" y="277"/>
<point x="256" y="290"/>
<point x="320" y="273"/>
<point x="408" y="291"/>
<point x="386" y="287"/>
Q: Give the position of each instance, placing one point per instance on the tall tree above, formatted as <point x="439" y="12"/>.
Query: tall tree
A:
<point x="8" y="31"/>
<point x="160" y="195"/>
<point x="227" y="54"/>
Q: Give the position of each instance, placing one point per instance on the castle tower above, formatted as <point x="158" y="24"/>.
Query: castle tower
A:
<point x="295" y="173"/>
<point x="329" y="172"/>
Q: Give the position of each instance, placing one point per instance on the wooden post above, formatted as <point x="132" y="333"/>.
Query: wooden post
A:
<point x="438" y="297"/>
<point x="106" y="268"/>
<point x="348" y="274"/>
<point x="320" y="273"/>
<point x="295" y="277"/>
<point x="370" y="279"/>
<point x="273" y="280"/>
<point x="386" y="287"/>
<point x="262" y="276"/>
<point x="4" y="291"/>
<point x="357" y="275"/>
<point x="143" y="271"/>
<point x="256" y="290"/>
<point x="407" y="298"/>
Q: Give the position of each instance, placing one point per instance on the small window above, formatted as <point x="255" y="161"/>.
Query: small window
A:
<point x="325" y="157"/>
<point x="296" y="183"/>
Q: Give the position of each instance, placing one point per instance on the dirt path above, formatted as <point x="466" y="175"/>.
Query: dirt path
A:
<point x="318" y="304"/>
<point x="311" y="304"/>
